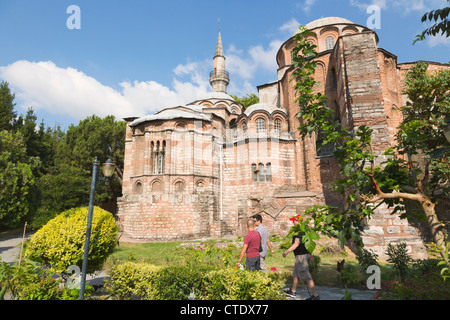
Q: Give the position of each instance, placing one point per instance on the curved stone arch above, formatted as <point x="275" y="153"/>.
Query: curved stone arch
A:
<point x="181" y="125"/>
<point x="320" y="75"/>
<point x="256" y="113"/>
<point x="206" y="104"/>
<point x="329" y="29"/>
<point x="138" y="187"/>
<point x="235" y="108"/>
<point x="281" y="114"/>
<point x="156" y="185"/>
<point x="200" y="184"/>
<point x="349" y="30"/>
<point x="179" y="185"/>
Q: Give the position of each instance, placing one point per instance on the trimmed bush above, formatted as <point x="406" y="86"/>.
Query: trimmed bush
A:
<point x="132" y="278"/>
<point x="60" y="243"/>
<point x="177" y="282"/>
<point x="235" y="284"/>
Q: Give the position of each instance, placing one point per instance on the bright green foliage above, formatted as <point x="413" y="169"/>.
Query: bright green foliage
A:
<point x="438" y="28"/>
<point x="31" y="281"/>
<point x="7" y="113"/>
<point x="400" y="258"/>
<point x="132" y="278"/>
<point x="235" y="284"/>
<point x="66" y="184"/>
<point x="247" y="100"/>
<point x="17" y="182"/>
<point x="205" y="282"/>
<point x="60" y="243"/>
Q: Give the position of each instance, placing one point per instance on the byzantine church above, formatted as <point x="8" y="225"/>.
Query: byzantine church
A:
<point x="201" y="169"/>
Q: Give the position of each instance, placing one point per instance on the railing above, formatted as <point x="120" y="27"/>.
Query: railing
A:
<point x="219" y="74"/>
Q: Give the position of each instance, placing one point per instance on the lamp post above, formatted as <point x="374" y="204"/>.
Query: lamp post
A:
<point x="107" y="173"/>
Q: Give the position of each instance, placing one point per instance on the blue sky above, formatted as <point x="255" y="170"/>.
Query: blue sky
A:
<point x="132" y="58"/>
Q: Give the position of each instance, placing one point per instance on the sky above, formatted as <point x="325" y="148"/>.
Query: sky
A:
<point x="70" y="59"/>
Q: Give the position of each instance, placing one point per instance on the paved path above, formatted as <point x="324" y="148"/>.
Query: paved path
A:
<point x="10" y="251"/>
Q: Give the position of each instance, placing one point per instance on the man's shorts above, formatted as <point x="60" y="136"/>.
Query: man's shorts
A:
<point x="301" y="268"/>
<point x="252" y="264"/>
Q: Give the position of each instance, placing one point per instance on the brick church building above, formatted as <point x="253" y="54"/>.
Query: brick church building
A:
<point x="201" y="169"/>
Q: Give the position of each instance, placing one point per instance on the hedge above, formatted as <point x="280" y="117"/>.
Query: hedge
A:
<point x="149" y="282"/>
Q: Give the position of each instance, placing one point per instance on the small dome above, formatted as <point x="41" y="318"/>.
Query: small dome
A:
<point x="172" y="113"/>
<point x="327" y="21"/>
<point x="262" y="107"/>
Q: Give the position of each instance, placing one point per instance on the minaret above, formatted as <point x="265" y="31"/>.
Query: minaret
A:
<point x="219" y="78"/>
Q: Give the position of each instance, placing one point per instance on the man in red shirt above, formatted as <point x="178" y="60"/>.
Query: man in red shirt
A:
<point x="252" y="243"/>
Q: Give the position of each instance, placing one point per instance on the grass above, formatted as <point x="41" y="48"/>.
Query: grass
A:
<point x="166" y="253"/>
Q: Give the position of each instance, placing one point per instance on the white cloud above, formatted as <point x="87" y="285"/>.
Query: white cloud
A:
<point x="43" y="85"/>
<point x="291" y="26"/>
<point x="67" y="91"/>
<point x="438" y="40"/>
<point x="308" y="4"/>
<point x="70" y="92"/>
<point x="403" y="6"/>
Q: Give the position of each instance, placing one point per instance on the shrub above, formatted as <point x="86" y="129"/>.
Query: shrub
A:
<point x="132" y="278"/>
<point x="349" y="275"/>
<point x="366" y="259"/>
<point x="60" y="243"/>
<point x="427" y="286"/>
<point x="30" y="281"/>
<point x="235" y="284"/>
<point x="399" y="256"/>
<point x="177" y="282"/>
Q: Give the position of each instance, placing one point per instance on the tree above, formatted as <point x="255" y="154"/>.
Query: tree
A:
<point x="246" y="100"/>
<point x="17" y="182"/>
<point x="7" y="113"/>
<point x="37" y="139"/>
<point x="67" y="183"/>
<point x="364" y="182"/>
<point x="442" y="27"/>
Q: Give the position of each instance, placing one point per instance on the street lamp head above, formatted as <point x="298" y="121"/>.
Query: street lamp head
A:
<point x="447" y="129"/>
<point x="108" y="168"/>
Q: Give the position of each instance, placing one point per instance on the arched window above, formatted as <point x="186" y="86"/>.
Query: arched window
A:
<point x="157" y="186"/>
<point x="138" y="187"/>
<point x="244" y="128"/>
<point x="268" y="171"/>
<point x="260" y="125"/>
<point x="261" y="172"/>
<point x="254" y="172"/>
<point x="179" y="186"/>
<point x="277" y="126"/>
<point x="159" y="157"/>
<point x="329" y="43"/>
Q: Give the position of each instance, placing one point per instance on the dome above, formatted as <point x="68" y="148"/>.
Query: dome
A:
<point x="262" y="107"/>
<point x="326" y="21"/>
<point x="172" y="113"/>
<point x="215" y="95"/>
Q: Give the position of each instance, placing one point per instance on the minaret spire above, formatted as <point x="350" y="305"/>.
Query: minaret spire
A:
<point x="219" y="78"/>
<point x="219" y="46"/>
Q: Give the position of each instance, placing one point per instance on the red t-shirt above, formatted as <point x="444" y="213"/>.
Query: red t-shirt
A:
<point x="253" y="240"/>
